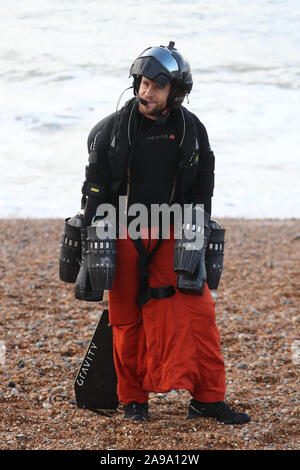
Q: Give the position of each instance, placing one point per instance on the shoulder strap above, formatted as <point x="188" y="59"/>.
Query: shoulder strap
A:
<point x="120" y="142"/>
<point x="189" y="153"/>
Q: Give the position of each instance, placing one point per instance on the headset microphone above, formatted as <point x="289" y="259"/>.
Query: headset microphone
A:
<point x="143" y="102"/>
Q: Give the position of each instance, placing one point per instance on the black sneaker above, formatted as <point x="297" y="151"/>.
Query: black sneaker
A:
<point x="136" y="411"/>
<point x="218" y="410"/>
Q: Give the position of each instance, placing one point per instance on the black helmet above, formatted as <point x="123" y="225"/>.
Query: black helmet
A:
<point x="162" y="65"/>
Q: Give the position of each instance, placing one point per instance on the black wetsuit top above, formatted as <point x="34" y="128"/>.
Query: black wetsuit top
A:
<point x="153" y="166"/>
<point x="154" y="162"/>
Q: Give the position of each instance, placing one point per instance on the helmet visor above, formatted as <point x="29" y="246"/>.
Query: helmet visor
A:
<point x="157" y="64"/>
<point x="163" y="56"/>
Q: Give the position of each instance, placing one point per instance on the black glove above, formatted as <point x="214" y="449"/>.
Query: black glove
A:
<point x="83" y="288"/>
<point x="189" y="260"/>
<point x="102" y="255"/>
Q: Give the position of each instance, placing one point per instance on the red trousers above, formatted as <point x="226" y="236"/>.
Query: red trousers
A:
<point x="170" y="343"/>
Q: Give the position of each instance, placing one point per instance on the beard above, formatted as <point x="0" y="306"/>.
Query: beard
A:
<point x="150" y="109"/>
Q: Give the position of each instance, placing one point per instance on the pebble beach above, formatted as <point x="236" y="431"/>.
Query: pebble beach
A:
<point x="44" y="333"/>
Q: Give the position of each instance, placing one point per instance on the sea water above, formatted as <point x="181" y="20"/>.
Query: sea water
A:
<point x="64" y="64"/>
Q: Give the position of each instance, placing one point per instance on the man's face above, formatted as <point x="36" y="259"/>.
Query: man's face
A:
<point x="155" y="96"/>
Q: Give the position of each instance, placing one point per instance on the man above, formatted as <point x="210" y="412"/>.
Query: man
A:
<point x="154" y="151"/>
